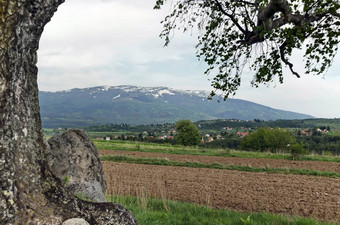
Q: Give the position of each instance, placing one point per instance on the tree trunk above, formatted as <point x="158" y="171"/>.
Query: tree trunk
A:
<point x="30" y="194"/>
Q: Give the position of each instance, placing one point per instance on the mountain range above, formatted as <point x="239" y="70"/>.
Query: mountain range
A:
<point x="145" y="105"/>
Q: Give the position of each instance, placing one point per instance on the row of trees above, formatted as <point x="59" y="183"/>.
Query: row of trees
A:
<point x="278" y="140"/>
<point x="220" y="126"/>
<point x="265" y="139"/>
<point x="273" y="140"/>
<point x="321" y="144"/>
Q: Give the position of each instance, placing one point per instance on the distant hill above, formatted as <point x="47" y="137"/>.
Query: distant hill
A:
<point x="142" y="105"/>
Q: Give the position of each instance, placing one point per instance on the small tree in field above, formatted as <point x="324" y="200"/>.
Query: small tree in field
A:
<point x="268" y="139"/>
<point x="187" y="133"/>
<point x="297" y="150"/>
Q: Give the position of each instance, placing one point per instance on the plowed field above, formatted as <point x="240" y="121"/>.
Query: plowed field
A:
<point x="261" y="163"/>
<point x="306" y="196"/>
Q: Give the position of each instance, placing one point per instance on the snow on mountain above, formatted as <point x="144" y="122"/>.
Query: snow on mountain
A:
<point x="105" y="88"/>
<point x="116" y="97"/>
<point x="145" y="105"/>
<point x="153" y="91"/>
<point x="156" y="92"/>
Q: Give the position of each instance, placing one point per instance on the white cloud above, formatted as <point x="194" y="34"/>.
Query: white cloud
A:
<point x="312" y="95"/>
<point x="112" y="42"/>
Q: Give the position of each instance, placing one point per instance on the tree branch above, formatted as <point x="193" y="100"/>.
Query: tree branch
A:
<point x="248" y="3"/>
<point x="218" y="4"/>
<point x="273" y="7"/>
<point x="282" y="55"/>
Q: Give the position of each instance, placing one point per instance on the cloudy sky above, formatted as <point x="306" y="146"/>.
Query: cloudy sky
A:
<point x="115" y="42"/>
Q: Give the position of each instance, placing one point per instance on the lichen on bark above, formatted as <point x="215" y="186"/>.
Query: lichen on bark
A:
<point x="29" y="193"/>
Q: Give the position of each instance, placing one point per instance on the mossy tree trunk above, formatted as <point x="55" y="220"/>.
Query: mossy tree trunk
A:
<point x="29" y="193"/>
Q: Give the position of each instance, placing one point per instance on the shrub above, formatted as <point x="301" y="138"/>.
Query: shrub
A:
<point x="297" y="150"/>
<point x="268" y="139"/>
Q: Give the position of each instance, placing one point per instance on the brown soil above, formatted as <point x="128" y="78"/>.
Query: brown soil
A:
<point x="287" y="194"/>
<point x="306" y="196"/>
<point x="260" y="163"/>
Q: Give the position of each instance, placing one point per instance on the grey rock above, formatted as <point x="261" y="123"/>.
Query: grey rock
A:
<point x="75" y="221"/>
<point x="75" y="160"/>
<point x="88" y="191"/>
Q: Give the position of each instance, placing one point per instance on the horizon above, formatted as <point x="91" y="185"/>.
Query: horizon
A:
<point x="176" y="89"/>
<point x="87" y="45"/>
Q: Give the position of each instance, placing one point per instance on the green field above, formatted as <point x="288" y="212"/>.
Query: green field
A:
<point x="164" y="212"/>
<point x="177" y="149"/>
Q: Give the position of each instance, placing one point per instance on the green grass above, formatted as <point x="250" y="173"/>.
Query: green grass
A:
<point x="164" y="162"/>
<point x="166" y="212"/>
<point x="177" y="149"/>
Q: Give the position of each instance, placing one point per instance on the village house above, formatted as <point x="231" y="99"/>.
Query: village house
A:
<point x="242" y="134"/>
<point x="306" y="132"/>
<point x="219" y="137"/>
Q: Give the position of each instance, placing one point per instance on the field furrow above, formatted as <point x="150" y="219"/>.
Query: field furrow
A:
<point x="307" y="196"/>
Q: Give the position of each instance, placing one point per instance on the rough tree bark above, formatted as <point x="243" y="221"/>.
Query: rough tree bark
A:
<point x="29" y="193"/>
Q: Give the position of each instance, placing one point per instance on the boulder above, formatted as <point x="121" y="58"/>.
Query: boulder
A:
<point x="88" y="191"/>
<point x="74" y="159"/>
<point x="75" y="221"/>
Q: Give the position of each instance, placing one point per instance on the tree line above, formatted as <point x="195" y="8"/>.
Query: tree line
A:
<point x="263" y="138"/>
<point x="279" y="140"/>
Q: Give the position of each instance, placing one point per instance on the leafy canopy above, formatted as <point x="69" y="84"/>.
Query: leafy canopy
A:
<point x="187" y="133"/>
<point x="258" y="33"/>
<point x="268" y="139"/>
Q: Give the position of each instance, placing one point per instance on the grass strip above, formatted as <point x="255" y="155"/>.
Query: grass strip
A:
<point x="165" y="162"/>
<point x="184" y="150"/>
<point x="165" y="212"/>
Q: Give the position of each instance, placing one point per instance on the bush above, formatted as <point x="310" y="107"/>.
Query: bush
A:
<point x="297" y="150"/>
<point x="268" y="139"/>
<point x="229" y="143"/>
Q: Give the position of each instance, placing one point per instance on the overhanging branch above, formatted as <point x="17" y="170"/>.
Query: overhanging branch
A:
<point x="218" y="4"/>
<point x="282" y="55"/>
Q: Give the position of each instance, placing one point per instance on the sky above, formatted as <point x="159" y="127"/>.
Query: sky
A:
<point x="116" y="42"/>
